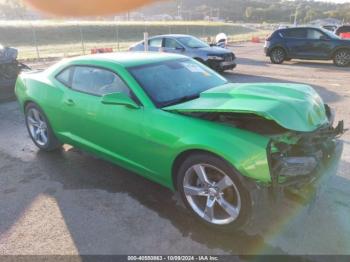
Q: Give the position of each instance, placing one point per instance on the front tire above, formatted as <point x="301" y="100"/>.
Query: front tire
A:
<point x="39" y="129"/>
<point x="342" y="58"/>
<point x="278" y="55"/>
<point x="212" y="191"/>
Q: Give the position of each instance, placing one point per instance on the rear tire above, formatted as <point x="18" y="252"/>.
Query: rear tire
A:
<point x="342" y="58"/>
<point x="277" y="55"/>
<point x="222" y="201"/>
<point x="39" y="129"/>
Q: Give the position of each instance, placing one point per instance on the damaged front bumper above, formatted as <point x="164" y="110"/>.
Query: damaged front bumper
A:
<point x="226" y="62"/>
<point x="299" y="171"/>
<point x="298" y="161"/>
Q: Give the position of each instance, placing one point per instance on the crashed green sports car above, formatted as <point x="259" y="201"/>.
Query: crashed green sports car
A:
<point x="180" y="124"/>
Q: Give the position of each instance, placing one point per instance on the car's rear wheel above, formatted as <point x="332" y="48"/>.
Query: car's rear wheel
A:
<point x="278" y="55"/>
<point x="39" y="128"/>
<point x="342" y="58"/>
<point x="211" y="190"/>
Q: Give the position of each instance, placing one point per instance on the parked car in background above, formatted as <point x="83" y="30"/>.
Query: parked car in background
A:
<point x="307" y="43"/>
<point x="330" y="28"/>
<point x="228" y="149"/>
<point x="9" y="70"/>
<point x="343" y="31"/>
<point x="217" y="58"/>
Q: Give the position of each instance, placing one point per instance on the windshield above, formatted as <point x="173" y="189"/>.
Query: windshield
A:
<point x="192" y="42"/>
<point x="172" y="82"/>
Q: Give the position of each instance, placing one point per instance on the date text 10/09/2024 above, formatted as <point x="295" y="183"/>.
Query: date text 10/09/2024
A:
<point x="173" y="258"/>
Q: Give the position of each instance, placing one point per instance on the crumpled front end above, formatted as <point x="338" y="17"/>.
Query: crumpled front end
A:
<point x="295" y="158"/>
<point x="300" y="166"/>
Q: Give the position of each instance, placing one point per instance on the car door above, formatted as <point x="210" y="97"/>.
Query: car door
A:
<point x="319" y="44"/>
<point x="155" y="44"/>
<point x="114" y="131"/>
<point x="296" y="42"/>
<point x="171" y="45"/>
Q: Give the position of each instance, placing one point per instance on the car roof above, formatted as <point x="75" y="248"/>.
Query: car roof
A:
<point x="128" y="59"/>
<point x="300" y="27"/>
<point x="171" y="35"/>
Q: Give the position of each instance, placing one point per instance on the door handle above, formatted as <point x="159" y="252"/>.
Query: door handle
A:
<point x="69" y="102"/>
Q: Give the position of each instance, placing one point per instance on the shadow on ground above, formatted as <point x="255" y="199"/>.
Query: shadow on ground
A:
<point x="328" y="66"/>
<point x="76" y="170"/>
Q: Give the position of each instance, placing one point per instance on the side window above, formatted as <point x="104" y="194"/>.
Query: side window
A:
<point x="155" y="42"/>
<point x="171" y="43"/>
<point x="97" y="81"/>
<point x="296" y="33"/>
<point x="314" y="34"/>
<point x="64" y="76"/>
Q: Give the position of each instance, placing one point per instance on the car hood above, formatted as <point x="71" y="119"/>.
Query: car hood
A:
<point x="293" y="106"/>
<point x="214" y="50"/>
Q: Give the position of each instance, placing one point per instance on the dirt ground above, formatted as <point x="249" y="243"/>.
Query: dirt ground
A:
<point x="70" y="202"/>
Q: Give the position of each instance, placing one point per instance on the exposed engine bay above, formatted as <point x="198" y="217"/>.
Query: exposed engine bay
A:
<point x="293" y="156"/>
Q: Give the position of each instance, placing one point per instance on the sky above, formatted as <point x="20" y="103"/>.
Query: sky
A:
<point x="336" y="1"/>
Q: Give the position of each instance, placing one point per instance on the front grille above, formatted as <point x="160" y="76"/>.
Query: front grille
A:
<point x="228" y="57"/>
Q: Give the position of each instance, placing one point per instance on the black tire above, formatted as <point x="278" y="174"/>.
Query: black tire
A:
<point x="229" y="170"/>
<point x="52" y="142"/>
<point x="278" y="55"/>
<point x="342" y="58"/>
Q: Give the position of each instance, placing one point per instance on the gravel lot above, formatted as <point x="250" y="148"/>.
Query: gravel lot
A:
<point x="70" y="202"/>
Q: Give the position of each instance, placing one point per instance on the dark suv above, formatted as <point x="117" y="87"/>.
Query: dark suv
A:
<point x="307" y="43"/>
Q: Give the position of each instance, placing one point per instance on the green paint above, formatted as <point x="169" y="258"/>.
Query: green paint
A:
<point x="146" y="139"/>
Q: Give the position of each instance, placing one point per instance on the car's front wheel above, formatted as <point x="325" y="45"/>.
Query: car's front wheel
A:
<point x="39" y="128"/>
<point x="210" y="188"/>
<point x="278" y="56"/>
<point x="342" y="58"/>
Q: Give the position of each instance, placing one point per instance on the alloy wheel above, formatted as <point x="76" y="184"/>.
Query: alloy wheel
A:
<point x="278" y="55"/>
<point x="342" y="58"/>
<point x="37" y="126"/>
<point x="212" y="194"/>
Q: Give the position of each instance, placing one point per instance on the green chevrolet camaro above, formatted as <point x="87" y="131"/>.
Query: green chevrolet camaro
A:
<point x="180" y="124"/>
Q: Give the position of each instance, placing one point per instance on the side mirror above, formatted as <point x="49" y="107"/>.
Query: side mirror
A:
<point x="119" y="99"/>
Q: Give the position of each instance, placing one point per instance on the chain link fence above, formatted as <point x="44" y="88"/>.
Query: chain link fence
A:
<point x="39" y="40"/>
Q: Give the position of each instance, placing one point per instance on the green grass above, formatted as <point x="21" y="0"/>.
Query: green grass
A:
<point x="60" y="39"/>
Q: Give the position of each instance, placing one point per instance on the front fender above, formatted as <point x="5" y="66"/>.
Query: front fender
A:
<point x="244" y="150"/>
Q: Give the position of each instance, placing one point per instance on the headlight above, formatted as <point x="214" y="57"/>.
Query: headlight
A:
<point x="213" y="57"/>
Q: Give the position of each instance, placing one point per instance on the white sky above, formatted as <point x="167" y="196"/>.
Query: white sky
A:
<point x="336" y="1"/>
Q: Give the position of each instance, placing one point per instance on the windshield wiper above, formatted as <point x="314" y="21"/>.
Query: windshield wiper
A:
<point x="179" y="100"/>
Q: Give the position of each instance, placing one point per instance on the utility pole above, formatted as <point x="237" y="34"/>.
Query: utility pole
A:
<point x="179" y="8"/>
<point x="296" y="16"/>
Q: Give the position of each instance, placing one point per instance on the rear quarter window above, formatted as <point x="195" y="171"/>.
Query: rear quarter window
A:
<point x="64" y="76"/>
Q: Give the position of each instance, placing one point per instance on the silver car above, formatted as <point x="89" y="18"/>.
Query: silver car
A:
<point x="219" y="59"/>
